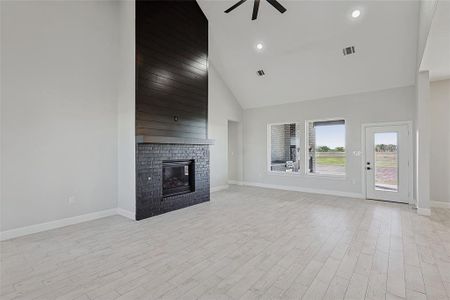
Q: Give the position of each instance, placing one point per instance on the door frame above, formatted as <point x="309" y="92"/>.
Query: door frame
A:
<point x="410" y="155"/>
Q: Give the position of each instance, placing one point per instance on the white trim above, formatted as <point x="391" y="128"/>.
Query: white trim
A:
<point x="410" y="155"/>
<point x="342" y="177"/>
<point x="304" y="190"/>
<point x="312" y="175"/>
<point x="327" y="175"/>
<point x="235" y="182"/>
<point x="218" y="188"/>
<point x="17" y="232"/>
<point x="306" y="148"/>
<point x="269" y="145"/>
<point x="440" y="204"/>
<point x="424" y="211"/>
<point x="303" y="149"/>
<point x="126" y="213"/>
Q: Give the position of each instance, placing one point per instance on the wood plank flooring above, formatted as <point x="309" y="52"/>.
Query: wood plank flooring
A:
<point x="247" y="243"/>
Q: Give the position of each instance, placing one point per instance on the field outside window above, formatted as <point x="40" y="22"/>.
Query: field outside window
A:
<point x="326" y="152"/>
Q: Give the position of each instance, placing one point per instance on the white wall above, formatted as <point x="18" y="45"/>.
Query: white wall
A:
<point x="234" y="151"/>
<point x="427" y="9"/>
<point x="423" y="141"/>
<point x="421" y="127"/>
<point x="126" y="111"/>
<point x="382" y="106"/>
<point x="58" y="110"/>
<point x="221" y="108"/>
<point x="440" y="141"/>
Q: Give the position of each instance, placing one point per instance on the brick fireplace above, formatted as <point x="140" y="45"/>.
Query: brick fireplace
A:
<point x="172" y="146"/>
<point x="150" y="197"/>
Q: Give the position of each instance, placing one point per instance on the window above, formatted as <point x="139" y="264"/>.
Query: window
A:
<point x="326" y="147"/>
<point x="284" y="148"/>
<point x="386" y="161"/>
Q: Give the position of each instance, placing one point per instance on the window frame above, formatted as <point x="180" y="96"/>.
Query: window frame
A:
<point x="304" y="130"/>
<point x="306" y="151"/>
<point x="269" y="151"/>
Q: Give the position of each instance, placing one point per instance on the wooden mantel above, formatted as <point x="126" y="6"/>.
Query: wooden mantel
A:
<point x="140" y="139"/>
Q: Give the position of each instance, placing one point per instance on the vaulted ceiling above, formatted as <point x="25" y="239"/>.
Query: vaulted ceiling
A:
<point x="302" y="55"/>
<point x="436" y="58"/>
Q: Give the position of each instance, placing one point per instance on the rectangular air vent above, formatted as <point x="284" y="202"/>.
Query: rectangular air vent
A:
<point x="348" y="50"/>
<point x="260" y="73"/>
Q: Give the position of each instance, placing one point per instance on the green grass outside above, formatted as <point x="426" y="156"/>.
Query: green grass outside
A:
<point x="384" y="160"/>
<point x="330" y="161"/>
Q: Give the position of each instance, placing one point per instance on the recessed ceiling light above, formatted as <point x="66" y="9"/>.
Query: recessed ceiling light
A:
<point x="259" y="46"/>
<point x="356" y="13"/>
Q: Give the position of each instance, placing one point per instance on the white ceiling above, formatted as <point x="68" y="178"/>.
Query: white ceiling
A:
<point x="436" y="58"/>
<point x="303" y="56"/>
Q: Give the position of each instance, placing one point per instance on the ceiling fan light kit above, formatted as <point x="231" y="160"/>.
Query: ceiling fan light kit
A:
<point x="274" y="3"/>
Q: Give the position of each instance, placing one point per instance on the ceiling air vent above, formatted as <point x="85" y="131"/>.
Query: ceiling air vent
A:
<point x="260" y="73"/>
<point x="348" y="50"/>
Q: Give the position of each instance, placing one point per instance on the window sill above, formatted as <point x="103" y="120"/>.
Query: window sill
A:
<point x="281" y="173"/>
<point x="328" y="176"/>
<point x="311" y="175"/>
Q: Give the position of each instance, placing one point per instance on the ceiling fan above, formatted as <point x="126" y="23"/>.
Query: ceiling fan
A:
<point x="274" y="3"/>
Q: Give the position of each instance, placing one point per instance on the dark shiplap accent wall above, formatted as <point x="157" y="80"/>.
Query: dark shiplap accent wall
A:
<point x="171" y="69"/>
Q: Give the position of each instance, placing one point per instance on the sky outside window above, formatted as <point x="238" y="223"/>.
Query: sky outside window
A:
<point x="386" y="138"/>
<point x="332" y="136"/>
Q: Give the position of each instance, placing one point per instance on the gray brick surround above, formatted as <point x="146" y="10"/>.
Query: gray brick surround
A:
<point x="149" y="158"/>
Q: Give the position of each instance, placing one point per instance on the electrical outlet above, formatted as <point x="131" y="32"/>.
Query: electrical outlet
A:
<point x="356" y="153"/>
<point x="72" y="200"/>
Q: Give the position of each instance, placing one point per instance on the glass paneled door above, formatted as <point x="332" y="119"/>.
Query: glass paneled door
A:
<point x="387" y="163"/>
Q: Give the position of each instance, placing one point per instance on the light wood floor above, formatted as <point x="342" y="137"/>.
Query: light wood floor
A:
<point x="246" y="243"/>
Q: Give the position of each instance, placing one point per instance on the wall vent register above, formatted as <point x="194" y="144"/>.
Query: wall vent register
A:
<point x="348" y="50"/>
<point x="260" y="73"/>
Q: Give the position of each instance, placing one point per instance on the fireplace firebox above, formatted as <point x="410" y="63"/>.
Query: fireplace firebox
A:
<point x="178" y="177"/>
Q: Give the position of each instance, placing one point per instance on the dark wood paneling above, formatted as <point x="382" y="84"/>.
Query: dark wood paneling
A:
<point x="171" y="69"/>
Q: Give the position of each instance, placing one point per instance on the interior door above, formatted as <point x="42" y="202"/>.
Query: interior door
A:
<point x="387" y="166"/>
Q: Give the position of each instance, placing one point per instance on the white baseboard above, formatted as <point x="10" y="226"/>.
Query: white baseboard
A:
<point x="440" y="204"/>
<point x="424" y="211"/>
<point x="126" y="213"/>
<point x="305" y="190"/>
<point x="218" y="188"/>
<point x="13" y="233"/>
<point x="235" y="182"/>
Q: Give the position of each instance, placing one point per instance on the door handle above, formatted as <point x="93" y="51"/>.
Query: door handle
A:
<point x="368" y="168"/>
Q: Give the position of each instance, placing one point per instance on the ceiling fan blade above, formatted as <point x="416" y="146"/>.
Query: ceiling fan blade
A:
<point x="234" y="6"/>
<point x="255" y="9"/>
<point x="277" y="5"/>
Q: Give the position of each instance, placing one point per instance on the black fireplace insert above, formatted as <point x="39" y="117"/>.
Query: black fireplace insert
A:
<point x="178" y="177"/>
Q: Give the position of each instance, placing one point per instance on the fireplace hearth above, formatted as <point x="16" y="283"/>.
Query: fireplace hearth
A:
<point x="178" y="177"/>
